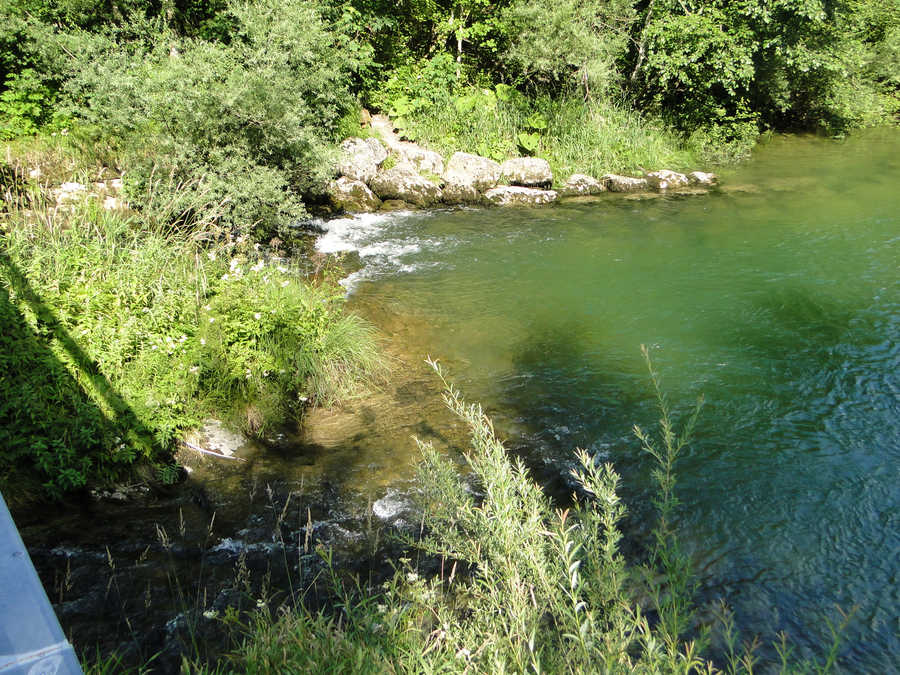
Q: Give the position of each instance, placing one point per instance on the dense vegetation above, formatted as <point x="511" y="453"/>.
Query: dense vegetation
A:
<point x="240" y="101"/>
<point x="119" y="332"/>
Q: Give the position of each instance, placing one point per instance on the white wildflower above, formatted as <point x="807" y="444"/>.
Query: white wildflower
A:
<point x="257" y="316"/>
<point x="285" y="283"/>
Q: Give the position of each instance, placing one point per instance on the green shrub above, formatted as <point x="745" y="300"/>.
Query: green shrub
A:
<point x="244" y="129"/>
<point x="271" y="345"/>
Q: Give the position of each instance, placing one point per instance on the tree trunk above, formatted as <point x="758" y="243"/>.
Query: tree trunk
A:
<point x="642" y="44"/>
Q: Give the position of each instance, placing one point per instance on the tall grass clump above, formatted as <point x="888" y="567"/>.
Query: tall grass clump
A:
<point x="573" y="135"/>
<point x="144" y="330"/>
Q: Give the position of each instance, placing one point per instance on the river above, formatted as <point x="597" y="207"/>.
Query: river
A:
<point x="777" y="297"/>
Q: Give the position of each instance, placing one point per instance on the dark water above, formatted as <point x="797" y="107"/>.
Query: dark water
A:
<point x="777" y="297"/>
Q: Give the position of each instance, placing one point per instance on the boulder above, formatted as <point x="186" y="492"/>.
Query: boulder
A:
<point x="419" y="157"/>
<point x="404" y="182"/>
<point x="111" y="203"/>
<point x="379" y="152"/>
<point x="479" y="172"/>
<point x="69" y="192"/>
<point x="527" y="172"/>
<point x="352" y="195"/>
<point x="580" y="184"/>
<point x="359" y="159"/>
<point x="665" y="179"/>
<point x="509" y="195"/>
<point x="460" y="192"/>
<point x="616" y="183"/>
<point x="702" y="178"/>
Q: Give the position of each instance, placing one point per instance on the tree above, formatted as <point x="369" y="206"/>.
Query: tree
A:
<point x="568" y="44"/>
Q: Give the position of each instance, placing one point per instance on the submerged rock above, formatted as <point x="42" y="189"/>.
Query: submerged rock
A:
<point x="615" y="183"/>
<point x="352" y="196"/>
<point x="702" y="178"/>
<point x="527" y="172"/>
<point x="215" y="438"/>
<point x="393" y="505"/>
<point x="466" y="169"/>
<point x="665" y="179"/>
<point x="390" y="205"/>
<point x="404" y="182"/>
<point x="510" y="195"/>
<point x="580" y="184"/>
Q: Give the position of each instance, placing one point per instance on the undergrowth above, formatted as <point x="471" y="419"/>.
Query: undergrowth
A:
<point x="574" y="136"/>
<point x="120" y="332"/>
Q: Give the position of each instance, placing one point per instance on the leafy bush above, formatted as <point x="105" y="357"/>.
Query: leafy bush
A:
<point x="567" y="45"/>
<point x="247" y="125"/>
<point x="24" y="104"/>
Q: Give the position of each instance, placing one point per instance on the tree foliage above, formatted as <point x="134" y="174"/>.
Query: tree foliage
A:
<point x="196" y="93"/>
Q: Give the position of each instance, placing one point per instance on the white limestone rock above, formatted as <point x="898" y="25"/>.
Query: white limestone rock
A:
<point x="514" y="195"/>
<point x="527" y="172"/>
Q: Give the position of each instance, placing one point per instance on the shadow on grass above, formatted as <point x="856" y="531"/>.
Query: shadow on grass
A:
<point x="61" y="420"/>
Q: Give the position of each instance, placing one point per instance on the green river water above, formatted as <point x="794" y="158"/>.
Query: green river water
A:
<point x="777" y="297"/>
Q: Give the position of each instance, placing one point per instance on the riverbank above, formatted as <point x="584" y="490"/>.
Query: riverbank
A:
<point x="122" y="332"/>
<point x="383" y="171"/>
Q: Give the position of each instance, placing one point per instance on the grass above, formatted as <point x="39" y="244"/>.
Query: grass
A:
<point x="146" y="329"/>
<point x="575" y="137"/>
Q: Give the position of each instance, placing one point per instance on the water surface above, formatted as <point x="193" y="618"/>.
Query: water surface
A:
<point x="777" y="297"/>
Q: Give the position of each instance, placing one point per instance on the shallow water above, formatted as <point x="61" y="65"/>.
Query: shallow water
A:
<point x="777" y="297"/>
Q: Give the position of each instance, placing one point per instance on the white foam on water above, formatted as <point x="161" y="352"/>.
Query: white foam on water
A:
<point x="381" y="242"/>
<point x="349" y="234"/>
